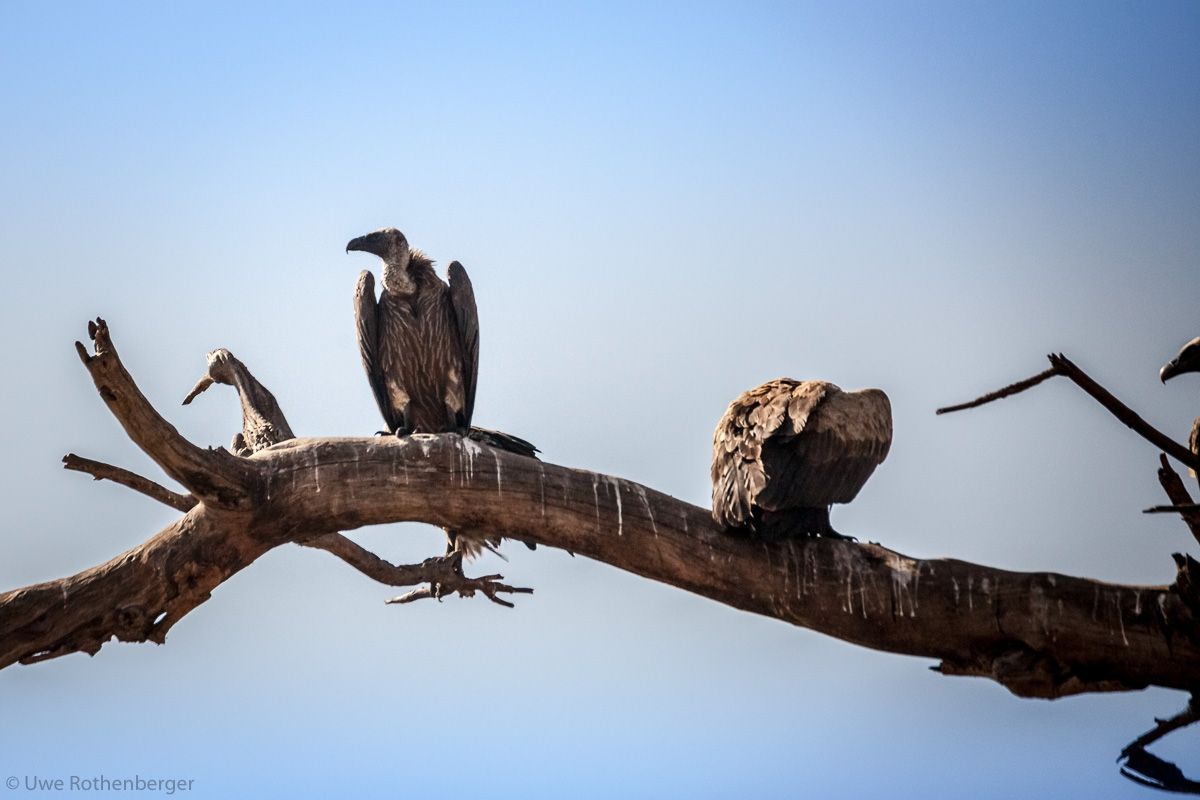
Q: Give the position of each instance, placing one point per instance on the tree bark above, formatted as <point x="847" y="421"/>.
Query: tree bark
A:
<point x="1039" y="634"/>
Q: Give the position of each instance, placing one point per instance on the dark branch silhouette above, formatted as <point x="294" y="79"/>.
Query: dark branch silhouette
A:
<point x="1138" y="764"/>
<point x="1061" y="365"/>
<point x="1000" y="394"/>
<point x="1142" y="766"/>
<point x="1172" y="484"/>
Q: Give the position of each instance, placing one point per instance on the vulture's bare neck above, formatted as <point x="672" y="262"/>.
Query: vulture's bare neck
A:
<point x="260" y="411"/>
<point x="410" y="280"/>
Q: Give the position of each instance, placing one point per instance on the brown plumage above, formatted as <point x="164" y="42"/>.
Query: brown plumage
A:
<point x="263" y="423"/>
<point x="1188" y="360"/>
<point x="420" y="347"/>
<point x="420" y="340"/>
<point x="786" y="450"/>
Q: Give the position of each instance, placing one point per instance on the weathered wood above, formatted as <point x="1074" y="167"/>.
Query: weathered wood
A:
<point x="214" y="476"/>
<point x="131" y="480"/>
<point x="1039" y="634"/>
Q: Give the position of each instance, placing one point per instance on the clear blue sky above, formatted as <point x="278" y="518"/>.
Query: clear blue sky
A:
<point x="659" y="207"/>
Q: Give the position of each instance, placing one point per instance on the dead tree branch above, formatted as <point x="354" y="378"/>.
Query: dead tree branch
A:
<point x="445" y="571"/>
<point x="101" y="471"/>
<point x="444" y="574"/>
<point x="216" y="477"/>
<point x="1061" y="365"/>
<point x="1141" y="766"/>
<point x="1181" y="499"/>
<point x="1000" y="394"/>
<point x="1039" y="634"/>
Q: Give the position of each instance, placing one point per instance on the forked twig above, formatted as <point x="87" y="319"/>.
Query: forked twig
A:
<point x="1181" y="499"/>
<point x="1061" y="365"/>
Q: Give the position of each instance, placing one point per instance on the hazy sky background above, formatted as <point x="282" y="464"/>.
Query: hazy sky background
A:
<point x="659" y="207"/>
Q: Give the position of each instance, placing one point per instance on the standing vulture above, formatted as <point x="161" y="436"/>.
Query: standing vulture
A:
<point x="420" y="347"/>
<point x="785" y="451"/>
<point x="1188" y="360"/>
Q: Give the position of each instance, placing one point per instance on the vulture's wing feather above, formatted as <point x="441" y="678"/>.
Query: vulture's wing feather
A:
<point x="462" y="297"/>
<point x="828" y="456"/>
<point x="738" y="474"/>
<point x="366" y="317"/>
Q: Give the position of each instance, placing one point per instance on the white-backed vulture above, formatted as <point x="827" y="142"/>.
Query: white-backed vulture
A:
<point x="785" y="451"/>
<point x="420" y="347"/>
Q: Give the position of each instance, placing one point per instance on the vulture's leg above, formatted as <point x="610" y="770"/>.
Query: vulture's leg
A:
<point x="238" y="446"/>
<point x="825" y="529"/>
<point x="440" y="590"/>
<point x="797" y="523"/>
<point x="832" y="534"/>
<point x="405" y="428"/>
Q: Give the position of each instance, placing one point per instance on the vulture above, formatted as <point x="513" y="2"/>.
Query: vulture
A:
<point x="1188" y="360"/>
<point x="419" y="343"/>
<point x="263" y="423"/>
<point x="785" y="451"/>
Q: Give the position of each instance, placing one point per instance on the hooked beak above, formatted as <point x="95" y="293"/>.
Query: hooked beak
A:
<point x="1169" y="370"/>
<point x="361" y="243"/>
<point x="200" y="386"/>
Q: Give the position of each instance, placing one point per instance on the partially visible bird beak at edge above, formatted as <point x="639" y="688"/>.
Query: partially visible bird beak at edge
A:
<point x="1169" y="370"/>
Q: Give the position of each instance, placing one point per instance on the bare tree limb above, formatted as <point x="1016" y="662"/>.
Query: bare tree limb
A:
<point x="1039" y="634"/>
<point x="1141" y="766"/>
<point x="1181" y="499"/>
<point x="1061" y="365"/>
<point x="444" y="574"/>
<point x="101" y="471"/>
<point x="216" y="477"/>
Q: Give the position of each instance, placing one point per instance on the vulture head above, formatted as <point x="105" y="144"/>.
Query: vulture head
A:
<point x="1188" y="360"/>
<point x="221" y="368"/>
<point x="387" y="243"/>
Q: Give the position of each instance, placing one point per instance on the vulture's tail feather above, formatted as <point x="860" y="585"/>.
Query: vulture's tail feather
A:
<point x="503" y="441"/>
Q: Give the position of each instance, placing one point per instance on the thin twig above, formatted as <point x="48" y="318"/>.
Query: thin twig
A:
<point x="1179" y="509"/>
<point x="101" y="471"/>
<point x="1000" y="394"/>
<point x="1180" y="497"/>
